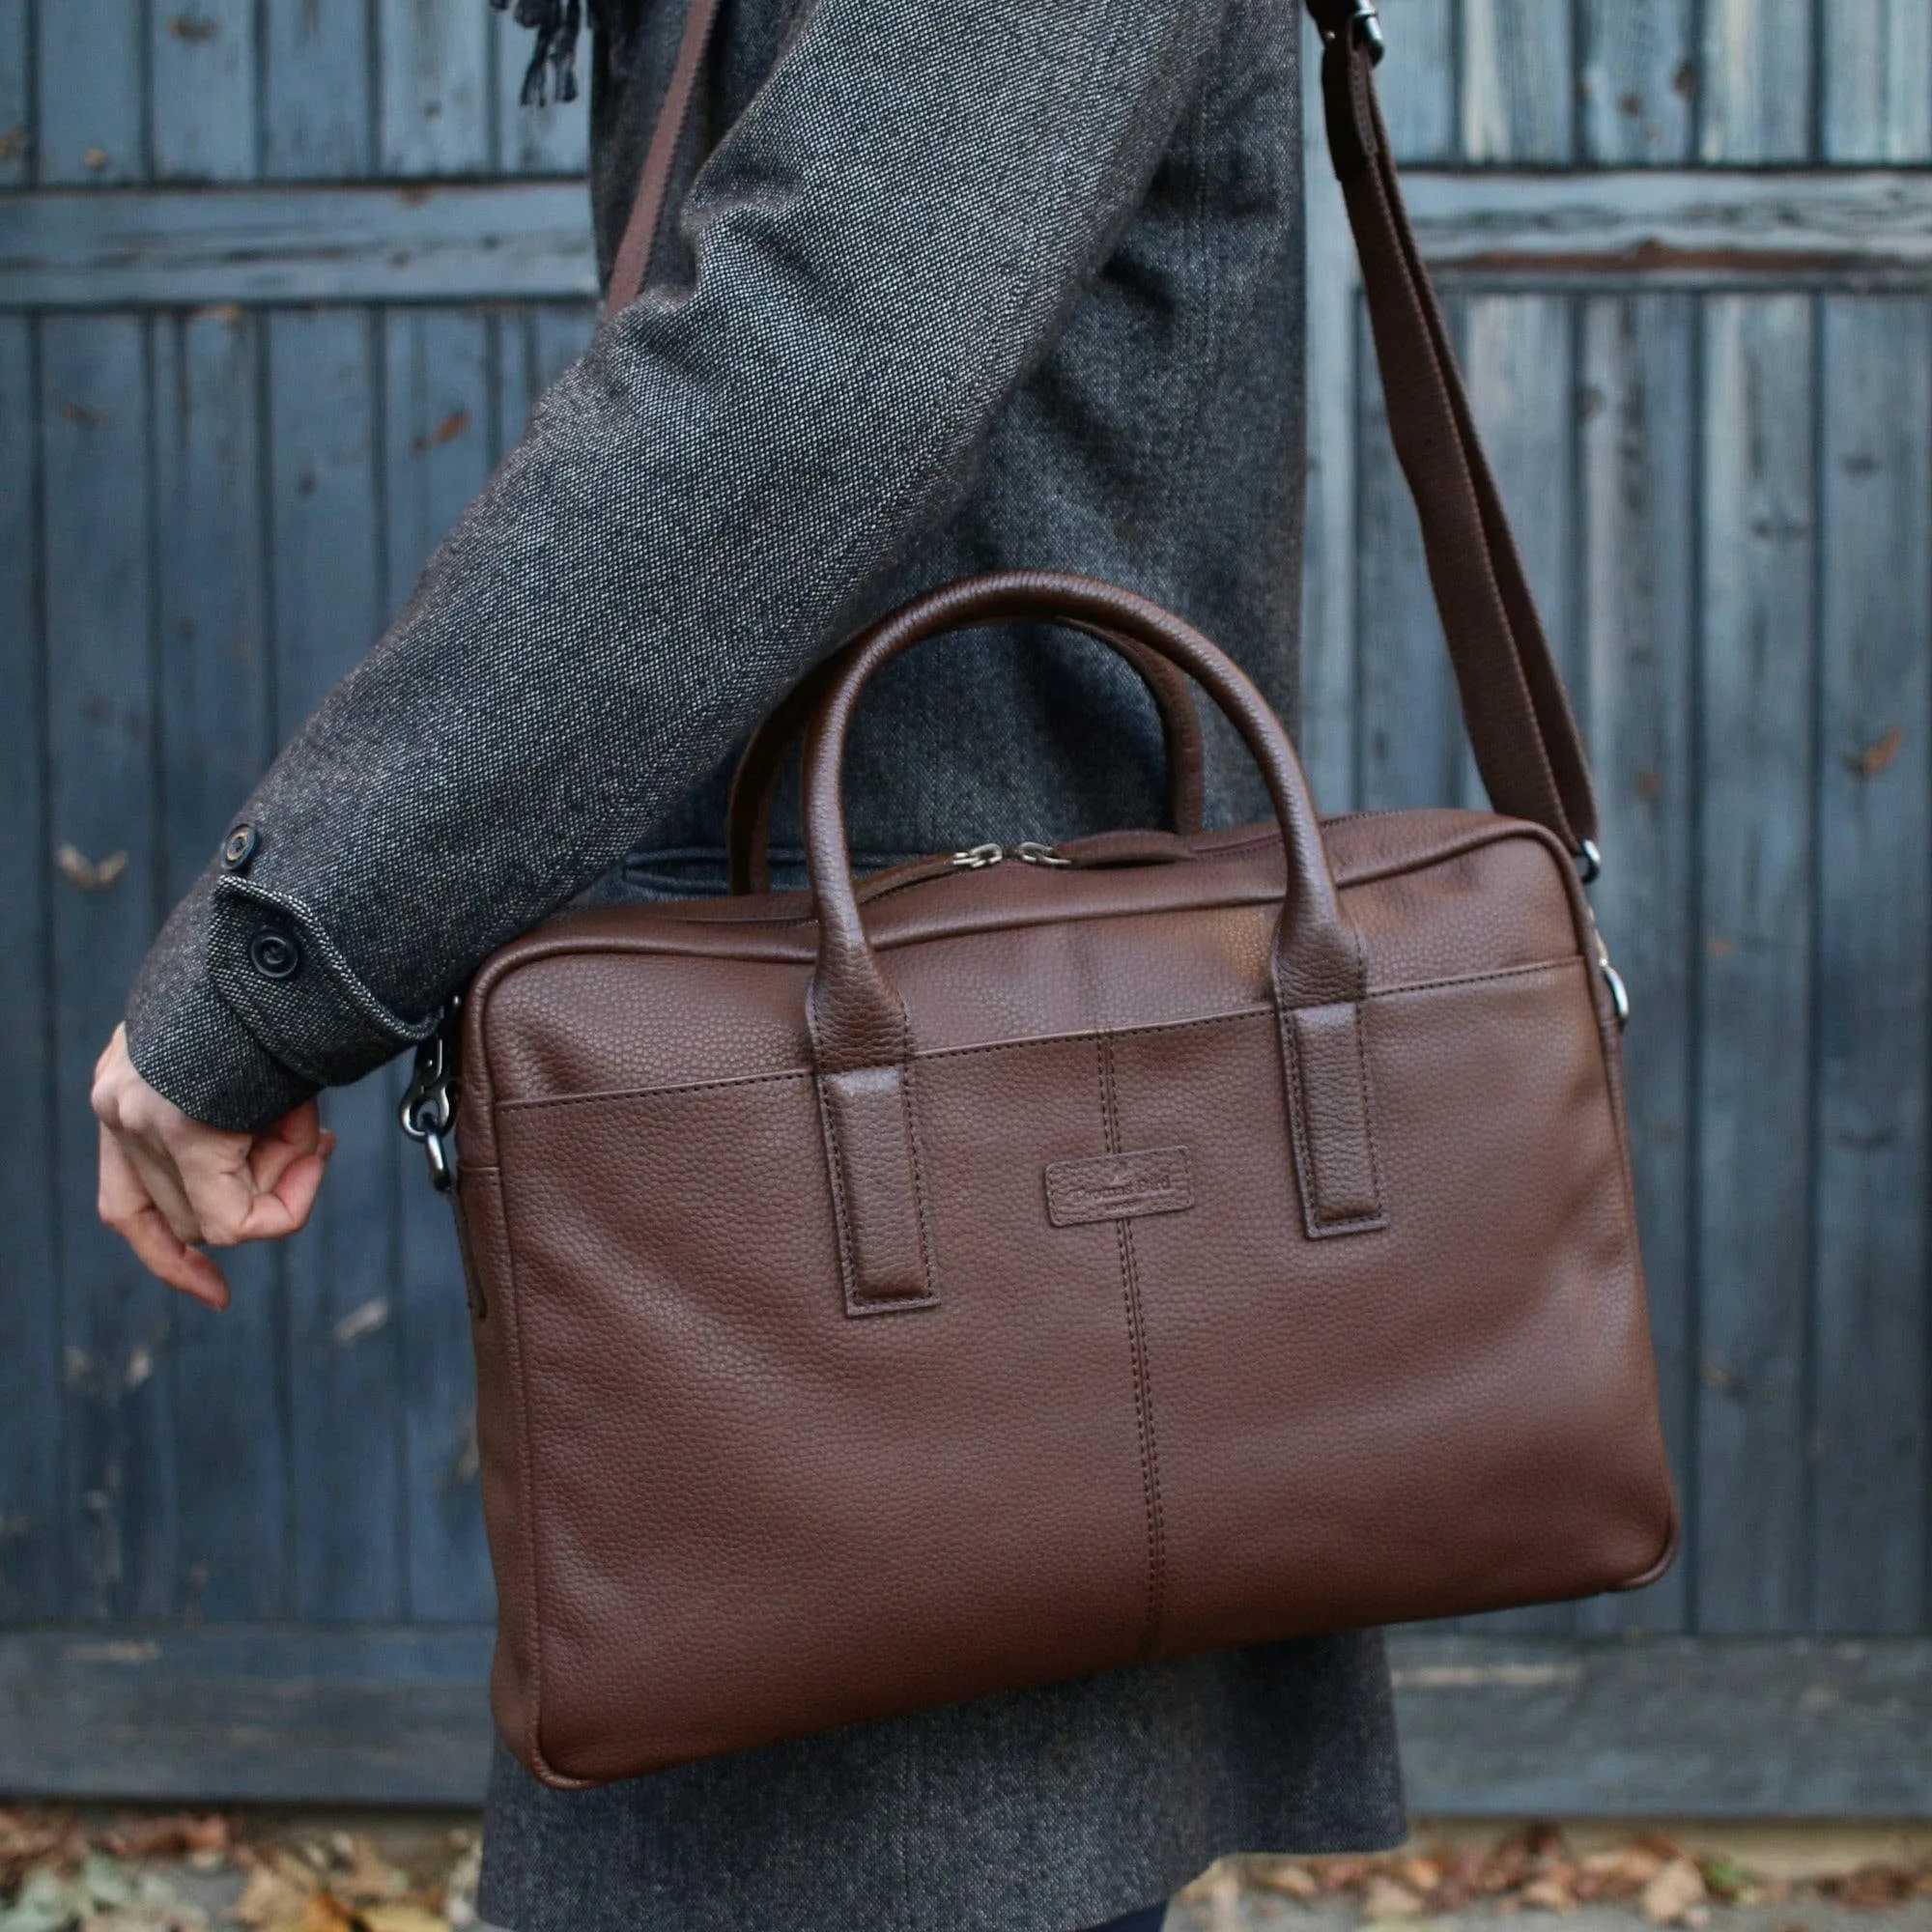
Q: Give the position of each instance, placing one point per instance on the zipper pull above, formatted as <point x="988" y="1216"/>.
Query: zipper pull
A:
<point x="1030" y="852"/>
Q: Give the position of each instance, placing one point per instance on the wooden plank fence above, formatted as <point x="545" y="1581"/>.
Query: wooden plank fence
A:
<point x="278" y="285"/>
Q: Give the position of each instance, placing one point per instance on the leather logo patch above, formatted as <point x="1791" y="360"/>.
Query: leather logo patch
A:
<point x="1116" y="1186"/>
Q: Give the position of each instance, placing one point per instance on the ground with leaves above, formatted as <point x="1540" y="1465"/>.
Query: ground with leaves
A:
<point x="62" y="1872"/>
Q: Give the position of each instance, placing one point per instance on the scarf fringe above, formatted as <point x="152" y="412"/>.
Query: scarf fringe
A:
<point x="552" y="68"/>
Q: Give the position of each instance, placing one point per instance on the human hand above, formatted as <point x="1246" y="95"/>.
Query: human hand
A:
<point x="170" y="1186"/>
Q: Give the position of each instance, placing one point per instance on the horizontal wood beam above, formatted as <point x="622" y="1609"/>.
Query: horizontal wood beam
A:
<point x="197" y="247"/>
<point x="1496" y="1727"/>
<point x="531" y="241"/>
<point x="1702" y="228"/>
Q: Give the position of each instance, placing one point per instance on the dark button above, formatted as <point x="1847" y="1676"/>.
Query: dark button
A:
<point x="239" y="847"/>
<point x="275" y="954"/>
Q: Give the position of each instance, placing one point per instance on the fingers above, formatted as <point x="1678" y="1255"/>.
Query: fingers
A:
<point x="168" y="1183"/>
<point x="126" y="1207"/>
<point x="242" y="1188"/>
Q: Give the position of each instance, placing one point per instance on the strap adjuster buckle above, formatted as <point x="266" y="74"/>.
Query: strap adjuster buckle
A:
<point x="1366" y="24"/>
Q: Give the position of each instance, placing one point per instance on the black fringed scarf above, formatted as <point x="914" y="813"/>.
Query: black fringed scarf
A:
<point x="553" y="68"/>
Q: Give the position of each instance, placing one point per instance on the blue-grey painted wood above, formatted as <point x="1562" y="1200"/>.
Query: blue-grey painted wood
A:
<point x="32" y="1512"/>
<point x="17" y="132"/>
<point x="119" y="1326"/>
<point x="436" y="93"/>
<point x="1412" y="750"/>
<point x="1756" y="80"/>
<point x="1517" y="76"/>
<point x="231" y="1429"/>
<point x="1638" y="522"/>
<point x="1878" y="82"/>
<point x="1874" y="919"/>
<point x="201" y="90"/>
<point x="1754" y="1000"/>
<point x="1637" y="82"/>
<point x="90" y="115"/>
<point x="316" y="107"/>
<point x="334" y="244"/>
<point x="347" y="1515"/>
<point x="1418" y="80"/>
<point x="439" y="417"/>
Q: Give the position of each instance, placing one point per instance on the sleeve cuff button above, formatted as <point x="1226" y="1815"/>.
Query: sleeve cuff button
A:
<point x="239" y="847"/>
<point x="274" y="953"/>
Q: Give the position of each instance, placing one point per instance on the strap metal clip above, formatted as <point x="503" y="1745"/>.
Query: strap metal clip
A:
<point x="1366" y="24"/>
<point x="428" y="1111"/>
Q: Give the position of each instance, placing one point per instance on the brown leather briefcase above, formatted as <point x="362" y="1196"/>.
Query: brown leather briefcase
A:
<point x="995" y="1272"/>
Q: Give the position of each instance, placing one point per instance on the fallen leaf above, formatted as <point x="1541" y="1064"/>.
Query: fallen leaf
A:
<point x="49" y="1901"/>
<point x="1387" y="1897"/>
<point x="1549" y="1893"/>
<point x="1725" y="1878"/>
<point x="270" y="1898"/>
<point x="1292" y="1881"/>
<point x="1420" y="1875"/>
<point x="325" y="1912"/>
<point x="401" y="1917"/>
<point x="364" y="1875"/>
<point x="1674" y="1893"/>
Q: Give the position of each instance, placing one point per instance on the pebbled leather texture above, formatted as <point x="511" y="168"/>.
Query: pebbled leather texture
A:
<point x="723" y="1511"/>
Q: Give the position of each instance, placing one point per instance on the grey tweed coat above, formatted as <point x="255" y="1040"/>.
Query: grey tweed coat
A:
<point x="942" y="284"/>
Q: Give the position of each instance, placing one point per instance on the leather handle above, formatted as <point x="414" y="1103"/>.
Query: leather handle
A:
<point x="756" y="783"/>
<point x="857" y="1020"/>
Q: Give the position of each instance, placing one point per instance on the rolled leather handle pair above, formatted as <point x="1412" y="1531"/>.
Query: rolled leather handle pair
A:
<point x="754" y="783"/>
<point x="857" y="1020"/>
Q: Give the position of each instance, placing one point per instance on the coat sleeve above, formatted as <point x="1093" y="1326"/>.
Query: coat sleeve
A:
<point x="885" y="244"/>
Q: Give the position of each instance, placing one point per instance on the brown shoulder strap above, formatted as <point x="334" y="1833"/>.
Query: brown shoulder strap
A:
<point x="633" y="251"/>
<point x="1526" y="743"/>
<point x="1527" y="747"/>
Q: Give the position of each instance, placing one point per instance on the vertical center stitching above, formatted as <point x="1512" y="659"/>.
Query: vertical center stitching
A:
<point x="1130" y="1288"/>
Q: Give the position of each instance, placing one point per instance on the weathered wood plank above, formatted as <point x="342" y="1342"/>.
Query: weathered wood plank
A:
<point x="1637" y="518"/>
<point x="552" y="139"/>
<point x="231" y="1431"/>
<point x="1638" y="82"/>
<point x="90" y="111"/>
<point x="441" y="405"/>
<point x="1656" y="228"/>
<point x="1657" y="1727"/>
<point x="1874" y="944"/>
<point x="119" y="1324"/>
<point x="1664" y="1727"/>
<point x="201" y="65"/>
<point x="1755" y="79"/>
<point x="317" y="116"/>
<point x="1878" y="82"/>
<point x="31" y="1505"/>
<point x="381" y="1715"/>
<point x="332" y="244"/>
<point x="435" y="97"/>
<point x="1517" y="81"/>
<point x="1412" y="750"/>
<point x="16" y="114"/>
<point x="1691" y="228"/>
<point x="347" y="1515"/>
<point x="1417" y="83"/>
<point x="1754" y="1000"/>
